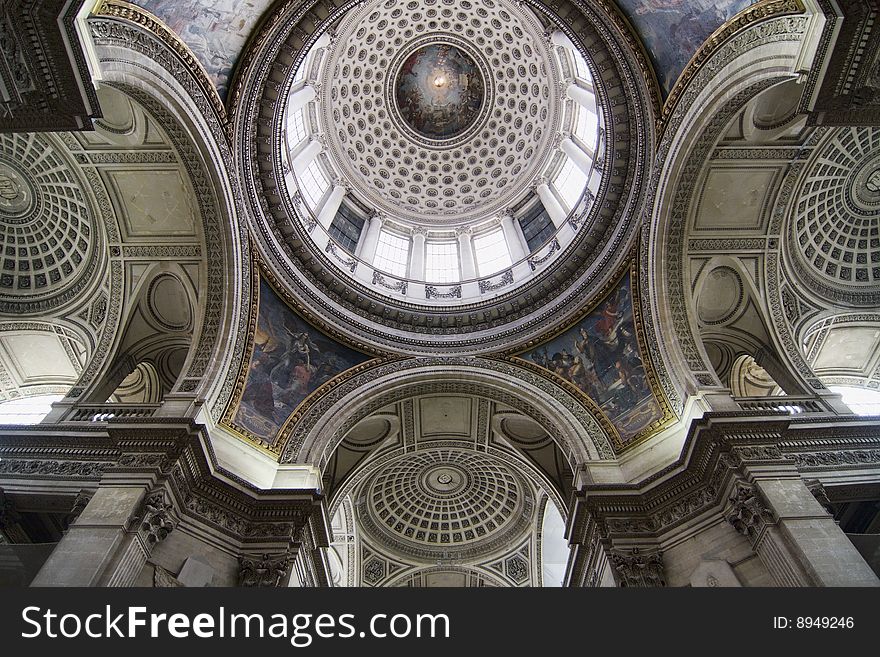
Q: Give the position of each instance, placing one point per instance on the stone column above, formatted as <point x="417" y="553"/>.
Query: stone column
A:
<point x="794" y="536"/>
<point x="582" y="95"/>
<point x="551" y="203"/>
<point x="416" y="269"/>
<point x="331" y="205"/>
<point x="466" y="253"/>
<point x="110" y="541"/>
<point x="304" y="157"/>
<point x="582" y="157"/>
<point x="516" y="241"/>
<point x="301" y="97"/>
<point x="369" y="242"/>
<point x="558" y="38"/>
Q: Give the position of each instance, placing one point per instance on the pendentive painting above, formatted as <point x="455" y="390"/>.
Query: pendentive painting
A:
<point x="215" y="30"/>
<point x="673" y="30"/>
<point x="290" y="360"/>
<point x="600" y="355"/>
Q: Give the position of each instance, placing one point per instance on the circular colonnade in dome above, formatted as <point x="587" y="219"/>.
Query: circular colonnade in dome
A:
<point x="465" y="173"/>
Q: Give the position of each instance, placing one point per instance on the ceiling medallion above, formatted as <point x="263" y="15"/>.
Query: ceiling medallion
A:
<point x="865" y="185"/>
<point x="873" y="181"/>
<point x="439" y="91"/>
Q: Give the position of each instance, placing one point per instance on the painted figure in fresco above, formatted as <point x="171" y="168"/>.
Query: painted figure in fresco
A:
<point x="439" y="90"/>
<point x="673" y="30"/>
<point x="290" y="360"/>
<point x="600" y="356"/>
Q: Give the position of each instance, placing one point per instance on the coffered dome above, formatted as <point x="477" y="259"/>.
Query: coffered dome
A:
<point x="440" y="500"/>
<point x="835" y="225"/>
<point x="47" y="225"/>
<point x="439" y="113"/>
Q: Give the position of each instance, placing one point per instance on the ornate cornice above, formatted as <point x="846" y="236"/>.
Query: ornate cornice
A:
<point x="177" y="452"/>
<point x="47" y="82"/>
<point x="717" y="450"/>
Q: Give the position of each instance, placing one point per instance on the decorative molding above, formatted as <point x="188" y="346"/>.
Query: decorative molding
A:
<point x="46" y="78"/>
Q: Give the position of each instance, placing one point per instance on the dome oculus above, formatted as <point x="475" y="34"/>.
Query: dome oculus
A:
<point x="439" y="91"/>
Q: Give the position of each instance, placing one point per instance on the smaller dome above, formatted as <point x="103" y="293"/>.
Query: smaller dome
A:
<point x="835" y="234"/>
<point x="440" y="499"/>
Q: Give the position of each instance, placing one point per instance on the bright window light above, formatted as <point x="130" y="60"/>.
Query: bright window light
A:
<point x="29" y="410"/>
<point x="392" y="254"/>
<point x="441" y="262"/>
<point x="582" y="71"/>
<point x="491" y="252"/>
<point x="313" y="183"/>
<point x="586" y="127"/>
<point x="301" y="71"/>
<point x="862" y="401"/>
<point x="570" y="183"/>
<point x="296" y="128"/>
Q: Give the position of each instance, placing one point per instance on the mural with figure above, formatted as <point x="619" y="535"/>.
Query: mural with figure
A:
<point x="439" y="91"/>
<point x="600" y="355"/>
<point x="215" y="30"/>
<point x="673" y="30"/>
<point x="290" y="360"/>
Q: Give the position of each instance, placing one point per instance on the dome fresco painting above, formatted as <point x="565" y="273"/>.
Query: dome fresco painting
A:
<point x="439" y="91"/>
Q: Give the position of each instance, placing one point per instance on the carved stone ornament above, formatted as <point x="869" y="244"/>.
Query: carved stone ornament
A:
<point x="157" y="522"/>
<point x="637" y="569"/>
<point x="818" y="490"/>
<point x="267" y="570"/>
<point x="79" y="505"/>
<point x="747" y="512"/>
